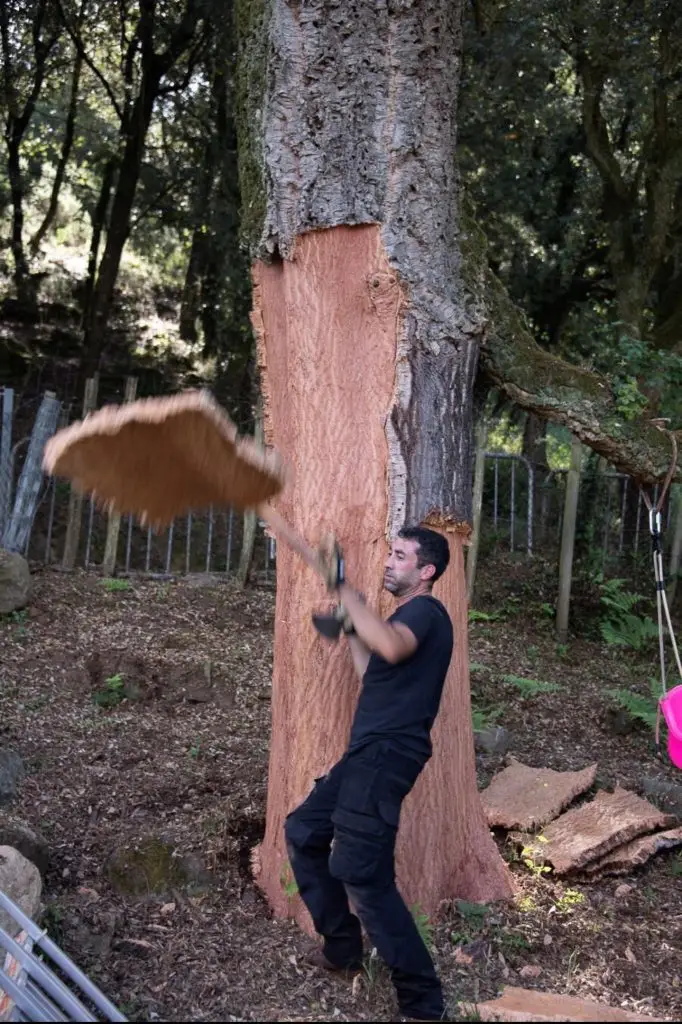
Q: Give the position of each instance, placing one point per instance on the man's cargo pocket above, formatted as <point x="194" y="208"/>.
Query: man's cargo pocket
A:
<point x="362" y="851"/>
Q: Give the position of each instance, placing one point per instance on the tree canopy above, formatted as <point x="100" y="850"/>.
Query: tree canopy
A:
<point x="120" y="195"/>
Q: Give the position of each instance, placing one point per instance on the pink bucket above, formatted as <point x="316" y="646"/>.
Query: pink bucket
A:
<point x="671" y="708"/>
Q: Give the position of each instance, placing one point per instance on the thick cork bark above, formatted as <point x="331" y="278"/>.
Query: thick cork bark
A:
<point x="329" y="326"/>
<point x="368" y="341"/>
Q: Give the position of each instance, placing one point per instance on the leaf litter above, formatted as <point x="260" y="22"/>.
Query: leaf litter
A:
<point x="192" y="774"/>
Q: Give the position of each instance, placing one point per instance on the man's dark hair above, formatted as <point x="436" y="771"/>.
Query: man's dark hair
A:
<point x="433" y="548"/>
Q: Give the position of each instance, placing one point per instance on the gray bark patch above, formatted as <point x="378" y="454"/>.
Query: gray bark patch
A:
<point x="359" y="126"/>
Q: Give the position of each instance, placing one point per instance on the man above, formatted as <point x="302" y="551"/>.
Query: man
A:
<point x="402" y="663"/>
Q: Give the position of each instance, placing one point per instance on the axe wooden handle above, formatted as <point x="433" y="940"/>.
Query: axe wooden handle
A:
<point x="283" y="531"/>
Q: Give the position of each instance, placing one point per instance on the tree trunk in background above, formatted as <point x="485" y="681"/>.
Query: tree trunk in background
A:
<point x="22" y="280"/>
<point x="99" y="219"/>
<point x="119" y="225"/>
<point x="133" y="136"/>
<point x="45" y="31"/>
<point x="67" y="145"/>
<point x="535" y="450"/>
<point x="250" y="521"/>
<point x="190" y="303"/>
<point x="535" y="441"/>
<point x="368" y="352"/>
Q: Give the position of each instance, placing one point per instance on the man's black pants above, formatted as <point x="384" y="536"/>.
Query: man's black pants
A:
<point x="357" y="805"/>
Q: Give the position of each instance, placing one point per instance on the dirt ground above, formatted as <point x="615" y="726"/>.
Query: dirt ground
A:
<point x="134" y="742"/>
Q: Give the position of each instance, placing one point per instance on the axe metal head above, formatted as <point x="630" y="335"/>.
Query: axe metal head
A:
<point x="328" y="626"/>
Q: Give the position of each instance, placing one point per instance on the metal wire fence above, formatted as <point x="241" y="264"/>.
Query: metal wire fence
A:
<point x="522" y="511"/>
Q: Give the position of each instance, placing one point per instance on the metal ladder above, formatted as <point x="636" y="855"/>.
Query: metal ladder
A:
<point x="33" y="990"/>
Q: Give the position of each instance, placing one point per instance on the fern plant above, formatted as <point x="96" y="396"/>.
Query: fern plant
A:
<point x="621" y="627"/>
<point x="484" y="718"/>
<point x="628" y="630"/>
<point x="530" y="687"/>
<point x="640" y="706"/>
<point x="476" y="616"/>
<point x="615" y="597"/>
<point x="424" y="926"/>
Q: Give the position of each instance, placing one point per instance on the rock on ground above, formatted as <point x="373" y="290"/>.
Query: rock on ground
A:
<point x="20" y="880"/>
<point x="15" y="582"/>
<point x="29" y="843"/>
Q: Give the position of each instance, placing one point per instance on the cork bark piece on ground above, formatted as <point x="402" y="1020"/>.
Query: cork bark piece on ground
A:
<point x="519" y="1004"/>
<point x="626" y="858"/>
<point x="585" y="833"/>
<point x="527" y="798"/>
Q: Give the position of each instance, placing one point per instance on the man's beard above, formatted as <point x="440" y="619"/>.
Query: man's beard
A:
<point x="392" y="585"/>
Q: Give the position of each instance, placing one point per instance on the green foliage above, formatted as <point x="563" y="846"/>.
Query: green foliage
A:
<point x="476" y="616"/>
<point x="473" y="913"/>
<point x="629" y="631"/>
<point x="620" y="626"/>
<point x="53" y="922"/>
<point x="513" y="941"/>
<point x="474" y="916"/>
<point x="18" y="620"/>
<point x="477" y="666"/>
<point x="530" y="687"/>
<point x="288" y="882"/>
<point x="114" y="585"/>
<point x="640" y="706"/>
<point x="569" y="900"/>
<point x="539" y="183"/>
<point x="531" y="856"/>
<point x="424" y="926"/>
<point x="113" y="692"/>
<point x="505" y="436"/>
<point x="485" y="718"/>
<point x="630" y="402"/>
<point x="614" y="596"/>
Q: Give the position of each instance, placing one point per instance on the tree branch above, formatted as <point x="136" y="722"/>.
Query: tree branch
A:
<point x="87" y="60"/>
<point x="596" y="133"/>
<point x="553" y="389"/>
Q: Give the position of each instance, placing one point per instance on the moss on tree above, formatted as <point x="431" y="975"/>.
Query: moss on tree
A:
<point x="574" y="396"/>
<point x="253" y="40"/>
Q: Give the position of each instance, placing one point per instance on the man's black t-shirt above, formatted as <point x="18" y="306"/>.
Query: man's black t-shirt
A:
<point x="399" y="703"/>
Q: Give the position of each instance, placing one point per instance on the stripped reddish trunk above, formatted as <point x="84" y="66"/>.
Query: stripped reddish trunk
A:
<point x="368" y="346"/>
<point x="328" y="325"/>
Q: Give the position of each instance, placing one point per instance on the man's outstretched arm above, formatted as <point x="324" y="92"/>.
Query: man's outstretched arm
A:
<point x="394" y="642"/>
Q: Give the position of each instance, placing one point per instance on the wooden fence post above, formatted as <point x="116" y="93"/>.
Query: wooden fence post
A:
<point x="18" y="530"/>
<point x="479" y="478"/>
<point x="114" y="521"/>
<point x="73" y="527"/>
<point x="250" y="517"/>
<point x="568" y="540"/>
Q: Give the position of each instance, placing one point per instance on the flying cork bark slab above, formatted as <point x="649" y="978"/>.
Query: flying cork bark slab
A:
<point x="520" y="1004"/>
<point x="585" y="833"/>
<point x="527" y="798"/>
<point x="159" y="458"/>
<point x="626" y="858"/>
